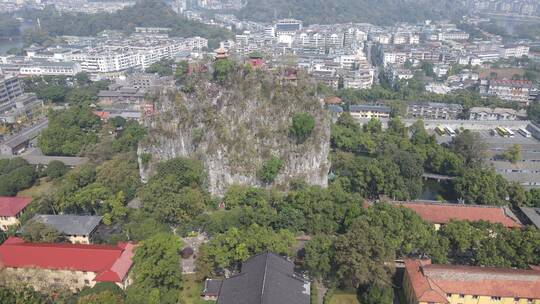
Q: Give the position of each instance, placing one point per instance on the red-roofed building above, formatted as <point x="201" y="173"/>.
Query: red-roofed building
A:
<point x="441" y="213"/>
<point x="45" y="266"/>
<point x="11" y="208"/>
<point x="425" y="283"/>
<point x="513" y="90"/>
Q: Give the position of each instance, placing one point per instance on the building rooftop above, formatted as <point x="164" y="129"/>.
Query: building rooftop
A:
<point x="372" y="108"/>
<point x="111" y="263"/>
<point x="442" y="213"/>
<point x="493" y="110"/>
<point x="266" y="278"/>
<point x="11" y="206"/>
<point x="70" y="224"/>
<point x="532" y="214"/>
<point x="431" y="282"/>
<point x="512" y="83"/>
<point x="212" y="287"/>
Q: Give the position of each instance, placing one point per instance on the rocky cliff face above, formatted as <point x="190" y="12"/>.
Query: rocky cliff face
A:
<point x="235" y="127"/>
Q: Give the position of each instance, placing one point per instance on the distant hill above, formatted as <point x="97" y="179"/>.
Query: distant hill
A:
<point x="381" y="12"/>
<point x="144" y="13"/>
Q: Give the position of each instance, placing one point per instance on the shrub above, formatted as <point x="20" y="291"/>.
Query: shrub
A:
<point x="302" y="126"/>
<point x="270" y="170"/>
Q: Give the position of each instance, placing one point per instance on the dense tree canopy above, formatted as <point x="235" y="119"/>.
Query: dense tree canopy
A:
<point x="69" y="131"/>
<point x="176" y="193"/>
<point x="157" y="270"/>
<point x="37" y="232"/>
<point x="15" y="175"/>
<point x="148" y="13"/>
<point x="9" y="26"/>
<point x="342" y="11"/>
<point x="302" y="126"/>
<point x="234" y="246"/>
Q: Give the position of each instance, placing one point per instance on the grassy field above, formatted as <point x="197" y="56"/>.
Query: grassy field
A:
<point x="344" y="297"/>
<point x="42" y="187"/>
<point x="191" y="291"/>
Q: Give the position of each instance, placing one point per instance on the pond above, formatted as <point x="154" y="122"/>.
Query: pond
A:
<point x="434" y="191"/>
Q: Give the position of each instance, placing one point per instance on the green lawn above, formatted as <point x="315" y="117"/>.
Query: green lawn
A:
<point x="41" y="187"/>
<point x="191" y="291"/>
<point x="344" y="297"/>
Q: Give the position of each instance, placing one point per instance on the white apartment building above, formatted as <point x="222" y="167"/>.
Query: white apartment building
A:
<point x="360" y="79"/>
<point x="141" y="56"/>
<point x="453" y="35"/>
<point x="394" y="57"/>
<point x="515" y="51"/>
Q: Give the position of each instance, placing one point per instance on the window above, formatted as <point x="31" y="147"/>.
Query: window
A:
<point x="495" y="298"/>
<point x="448" y="295"/>
<point x="461" y="295"/>
<point x="475" y="297"/>
<point x="86" y="282"/>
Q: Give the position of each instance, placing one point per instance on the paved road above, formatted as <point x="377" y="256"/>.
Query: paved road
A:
<point x="29" y="132"/>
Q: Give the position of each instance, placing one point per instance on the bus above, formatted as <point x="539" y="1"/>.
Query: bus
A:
<point x="440" y="130"/>
<point x="450" y="131"/>
<point x="524" y="132"/>
<point x="509" y="132"/>
<point x="501" y="131"/>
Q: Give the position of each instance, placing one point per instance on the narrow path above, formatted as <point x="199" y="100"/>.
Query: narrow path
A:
<point x="321" y="291"/>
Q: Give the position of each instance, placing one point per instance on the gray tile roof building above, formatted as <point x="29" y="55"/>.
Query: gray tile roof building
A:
<point x="532" y="215"/>
<point x="266" y="278"/>
<point x="70" y="224"/>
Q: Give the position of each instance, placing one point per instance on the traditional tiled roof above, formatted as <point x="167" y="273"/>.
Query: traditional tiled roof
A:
<point x="111" y="263"/>
<point x="11" y="206"/>
<point x="265" y="279"/>
<point x="441" y="213"/>
<point x="510" y="82"/>
<point x="70" y="224"/>
<point x="431" y="281"/>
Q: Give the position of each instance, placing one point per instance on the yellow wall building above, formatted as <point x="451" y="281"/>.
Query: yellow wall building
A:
<point x="11" y="208"/>
<point x="426" y="283"/>
<point x="46" y="266"/>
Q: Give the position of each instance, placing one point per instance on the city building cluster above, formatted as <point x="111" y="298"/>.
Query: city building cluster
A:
<point x="107" y="56"/>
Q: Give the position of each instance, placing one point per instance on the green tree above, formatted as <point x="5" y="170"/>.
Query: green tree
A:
<point x="22" y="295"/>
<point x="376" y="294"/>
<point x="163" y="67"/>
<point x="182" y="70"/>
<point x="55" y="169"/>
<point x="320" y="255"/>
<point x="270" y="170"/>
<point x="222" y="69"/>
<point x="302" y="126"/>
<point x="481" y="186"/>
<point x="469" y="146"/>
<point x="15" y="175"/>
<point x="38" y="232"/>
<point x="157" y="262"/>
<point x="364" y="256"/>
<point x="105" y="297"/>
<point x="513" y="154"/>
<point x="69" y="131"/>
<point x="120" y="174"/>
<point x="234" y="246"/>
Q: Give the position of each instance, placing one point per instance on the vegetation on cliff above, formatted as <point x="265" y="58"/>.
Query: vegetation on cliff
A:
<point x="239" y="121"/>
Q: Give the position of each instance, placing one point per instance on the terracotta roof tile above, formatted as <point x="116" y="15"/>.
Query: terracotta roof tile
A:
<point x="111" y="263"/>
<point x="440" y="213"/>
<point x="11" y="206"/>
<point x="430" y="280"/>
